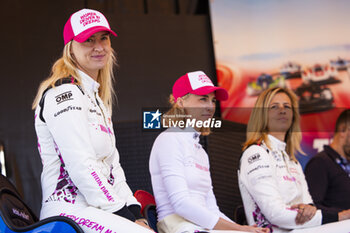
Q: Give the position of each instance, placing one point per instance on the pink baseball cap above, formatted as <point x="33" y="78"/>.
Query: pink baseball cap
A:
<point x="82" y="24"/>
<point x="197" y="83"/>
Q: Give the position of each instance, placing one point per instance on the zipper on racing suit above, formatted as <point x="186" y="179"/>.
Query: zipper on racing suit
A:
<point x="104" y="119"/>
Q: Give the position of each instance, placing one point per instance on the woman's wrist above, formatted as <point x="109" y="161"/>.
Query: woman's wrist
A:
<point x="241" y="227"/>
<point x="343" y="215"/>
<point x="143" y="220"/>
<point x="223" y="224"/>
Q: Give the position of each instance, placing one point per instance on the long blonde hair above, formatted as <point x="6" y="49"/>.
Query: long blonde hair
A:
<point x="257" y="130"/>
<point x="177" y="113"/>
<point x="66" y="66"/>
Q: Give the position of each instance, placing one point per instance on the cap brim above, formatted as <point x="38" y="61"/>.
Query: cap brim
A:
<point x="220" y="93"/>
<point x="82" y="37"/>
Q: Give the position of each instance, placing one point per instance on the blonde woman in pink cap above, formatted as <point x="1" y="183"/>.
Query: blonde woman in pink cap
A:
<point x="82" y="178"/>
<point x="179" y="166"/>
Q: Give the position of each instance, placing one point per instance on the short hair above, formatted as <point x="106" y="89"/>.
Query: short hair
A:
<point x="257" y="130"/>
<point x="343" y="119"/>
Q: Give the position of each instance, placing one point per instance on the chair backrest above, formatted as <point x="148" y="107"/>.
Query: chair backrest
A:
<point x="148" y="207"/>
<point x="145" y="198"/>
<point x="16" y="216"/>
<point x="150" y="214"/>
<point x="56" y="224"/>
<point x="12" y="209"/>
<point x="239" y="215"/>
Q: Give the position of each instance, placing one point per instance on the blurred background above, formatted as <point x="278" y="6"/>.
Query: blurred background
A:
<point x="158" y="41"/>
<point x="244" y="46"/>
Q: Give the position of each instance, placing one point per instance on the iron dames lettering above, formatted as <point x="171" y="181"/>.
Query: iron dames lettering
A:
<point x="65" y="96"/>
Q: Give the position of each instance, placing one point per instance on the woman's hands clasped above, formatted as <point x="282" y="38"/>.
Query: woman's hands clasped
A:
<point x="305" y="213"/>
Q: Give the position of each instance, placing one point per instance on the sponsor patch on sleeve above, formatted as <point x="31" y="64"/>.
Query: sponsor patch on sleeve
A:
<point x="63" y="97"/>
<point x="257" y="168"/>
<point x="67" y="109"/>
<point x="253" y="158"/>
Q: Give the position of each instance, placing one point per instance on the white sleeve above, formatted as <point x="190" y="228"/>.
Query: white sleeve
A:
<point x="170" y="160"/>
<point x="258" y="176"/>
<point x="68" y="123"/>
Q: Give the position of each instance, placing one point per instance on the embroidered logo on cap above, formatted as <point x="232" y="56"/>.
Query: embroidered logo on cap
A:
<point x="199" y="79"/>
<point x="88" y="18"/>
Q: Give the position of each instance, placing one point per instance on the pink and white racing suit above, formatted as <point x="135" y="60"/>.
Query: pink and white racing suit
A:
<point x="82" y="177"/>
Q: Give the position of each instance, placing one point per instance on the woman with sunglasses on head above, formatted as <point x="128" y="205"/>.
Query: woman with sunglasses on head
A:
<point x="82" y="178"/>
<point x="272" y="183"/>
<point x="179" y="166"/>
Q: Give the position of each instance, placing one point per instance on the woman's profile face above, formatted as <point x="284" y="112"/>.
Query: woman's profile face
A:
<point x="92" y="55"/>
<point x="200" y="107"/>
<point x="280" y="113"/>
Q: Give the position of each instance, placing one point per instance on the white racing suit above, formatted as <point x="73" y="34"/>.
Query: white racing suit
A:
<point x="270" y="183"/>
<point x="82" y="177"/>
<point x="182" y="184"/>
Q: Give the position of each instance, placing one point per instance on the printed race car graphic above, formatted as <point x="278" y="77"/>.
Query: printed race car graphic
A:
<point x="321" y="75"/>
<point x="263" y="82"/>
<point x="314" y="98"/>
<point x="291" y="70"/>
<point x="340" y="64"/>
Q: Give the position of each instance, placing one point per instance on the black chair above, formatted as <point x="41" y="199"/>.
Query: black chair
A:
<point x="16" y="216"/>
<point x="150" y="214"/>
<point x="239" y="215"/>
<point x="148" y="207"/>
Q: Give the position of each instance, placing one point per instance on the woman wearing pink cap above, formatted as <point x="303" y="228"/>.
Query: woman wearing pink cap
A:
<point x="179" y="166"/>
<point x="82" y="177"/>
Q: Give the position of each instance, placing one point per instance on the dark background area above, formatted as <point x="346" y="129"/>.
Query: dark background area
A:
<point x="158" y="41"/>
